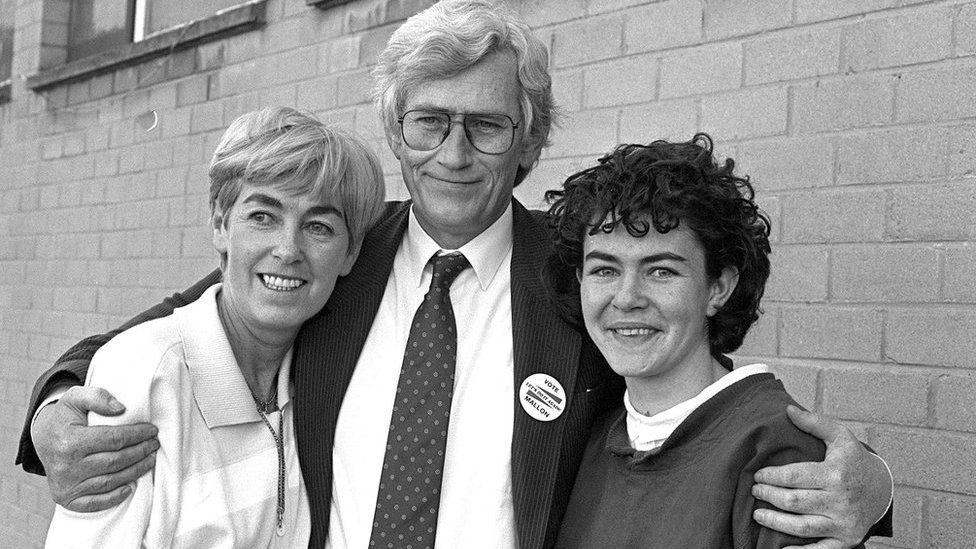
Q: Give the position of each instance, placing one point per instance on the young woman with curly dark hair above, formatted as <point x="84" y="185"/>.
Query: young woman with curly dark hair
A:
<point x="663" y="254"/>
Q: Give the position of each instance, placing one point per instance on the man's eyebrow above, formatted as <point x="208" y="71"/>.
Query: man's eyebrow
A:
<point x="428" y="107"/>
<point x="435" y="108"/>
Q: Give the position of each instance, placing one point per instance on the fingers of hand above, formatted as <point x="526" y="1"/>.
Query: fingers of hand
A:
<point x="79" y="469"/>
<point x="805" y="526"/>
<point x="101" y="491"/>
<point x="98" y="502"/>
<point x="92" y="399"/>
<point x="802" y="474"/>
<point x="807" y="502"/>
<point x="113" y="438"/>
<point x="62" y="448"/>
<point x="108" y="482"/>
<point x="60" y="431"/>
<point x="115" y="461"/>
<point x="817" y="425"/>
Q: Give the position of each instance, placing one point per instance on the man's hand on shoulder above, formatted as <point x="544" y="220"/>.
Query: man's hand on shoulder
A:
<point x="838" y="499"/>
<point x="91" y="468"/>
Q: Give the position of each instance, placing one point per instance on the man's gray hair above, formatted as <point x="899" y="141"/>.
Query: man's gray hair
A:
<point x="450" y="37"/>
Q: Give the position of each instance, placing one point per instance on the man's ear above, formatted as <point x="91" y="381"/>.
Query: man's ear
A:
<point x="351" y="258"/>
<point x="721" y="289"/>
<point x="394" y="141"/>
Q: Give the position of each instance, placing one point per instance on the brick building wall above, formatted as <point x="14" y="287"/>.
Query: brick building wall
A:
<point x="856" y="121"/>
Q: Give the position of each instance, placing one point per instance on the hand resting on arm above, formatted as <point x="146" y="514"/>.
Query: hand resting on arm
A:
<point x="91" y="468"/>
<point x="839" y="499"/>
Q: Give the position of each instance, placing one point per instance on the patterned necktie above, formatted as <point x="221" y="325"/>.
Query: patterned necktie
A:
<point x="410" y="484"/>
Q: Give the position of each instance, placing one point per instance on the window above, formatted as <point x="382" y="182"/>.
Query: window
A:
<point x="98" y="25"/>
<point x="82" y="38"/>
<point x="153" y="16"/>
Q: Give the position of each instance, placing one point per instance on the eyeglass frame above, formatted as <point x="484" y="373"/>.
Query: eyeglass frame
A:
<point x="467" y="135"/>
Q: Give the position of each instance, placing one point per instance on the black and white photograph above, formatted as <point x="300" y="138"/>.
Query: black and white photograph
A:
<point x="489" y="274"/>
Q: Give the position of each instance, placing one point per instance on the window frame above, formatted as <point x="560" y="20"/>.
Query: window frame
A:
<point x="244" y="17"/>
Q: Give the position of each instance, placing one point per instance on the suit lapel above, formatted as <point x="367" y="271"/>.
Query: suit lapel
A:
<point x="544" y="343"/>
<point x="326" y="353"/>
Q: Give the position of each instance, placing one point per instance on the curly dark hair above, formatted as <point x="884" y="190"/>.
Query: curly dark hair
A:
<point x="669" y="183"/>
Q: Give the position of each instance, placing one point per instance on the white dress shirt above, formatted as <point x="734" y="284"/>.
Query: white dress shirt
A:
<point x="476" y="508"/>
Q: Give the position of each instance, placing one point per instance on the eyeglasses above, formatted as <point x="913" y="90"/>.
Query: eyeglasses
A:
<point x="424" y="130"/>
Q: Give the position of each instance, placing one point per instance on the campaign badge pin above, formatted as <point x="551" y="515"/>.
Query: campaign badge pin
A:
<point x="542" y="397"/>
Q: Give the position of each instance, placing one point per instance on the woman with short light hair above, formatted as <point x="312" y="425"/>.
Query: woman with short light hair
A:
<point x="291" y="200"/>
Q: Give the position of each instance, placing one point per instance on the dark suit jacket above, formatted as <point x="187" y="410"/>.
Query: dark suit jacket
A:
<point x="545" y="455"/>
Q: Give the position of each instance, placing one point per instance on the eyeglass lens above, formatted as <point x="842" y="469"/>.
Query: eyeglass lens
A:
<point x="488" y="133"/>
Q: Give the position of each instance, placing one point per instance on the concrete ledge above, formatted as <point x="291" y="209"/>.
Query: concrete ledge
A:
<point x="236" y="20"/>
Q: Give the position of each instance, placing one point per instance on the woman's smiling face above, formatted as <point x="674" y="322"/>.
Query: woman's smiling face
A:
<point x="281" y="254"/>
<point x="646" y="300"/>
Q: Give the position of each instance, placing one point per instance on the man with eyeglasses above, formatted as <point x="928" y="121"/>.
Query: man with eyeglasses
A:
<point x="425" y="130"/>
<point x="438" y="395"/>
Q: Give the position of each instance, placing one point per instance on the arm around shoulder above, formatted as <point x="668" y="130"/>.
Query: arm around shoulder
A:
<point x="130" y="366"/>
<point x="778" y="444"/>
<point x="72" y="367"/>
<point x="838" y="498"/>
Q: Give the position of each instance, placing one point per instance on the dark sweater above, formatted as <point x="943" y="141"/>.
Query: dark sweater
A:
<point x="696" y="491"/>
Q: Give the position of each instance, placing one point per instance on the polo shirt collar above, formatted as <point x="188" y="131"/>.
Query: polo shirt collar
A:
<point x="485" y="252"/>
<point x="219" y="388"/>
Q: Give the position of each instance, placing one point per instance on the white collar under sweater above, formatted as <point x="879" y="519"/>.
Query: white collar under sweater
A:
<point x="648" y="433"/>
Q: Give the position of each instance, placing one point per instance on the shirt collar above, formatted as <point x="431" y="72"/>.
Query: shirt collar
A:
<point x="648" y="433"/>
<point x="485" y="252"/>
<point x="219" y="388"/>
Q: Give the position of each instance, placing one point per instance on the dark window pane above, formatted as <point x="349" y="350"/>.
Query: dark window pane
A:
<point x="165" y="14"/>
<point x="98" y="25"/>
<point x="6" y="38"/>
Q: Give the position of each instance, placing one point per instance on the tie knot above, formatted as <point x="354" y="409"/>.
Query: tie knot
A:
<point x="447" y="268"/>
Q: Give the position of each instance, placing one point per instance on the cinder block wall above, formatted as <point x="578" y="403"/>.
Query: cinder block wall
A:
<point x="856" y="121"/>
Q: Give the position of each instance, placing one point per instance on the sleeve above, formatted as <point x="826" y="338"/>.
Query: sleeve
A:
<point x="750" y="534"/>
<point x="884" y="526"/>
<point x="131" y="377"/>
<point x="71" y="368"/>
<point x="776" y="442"/>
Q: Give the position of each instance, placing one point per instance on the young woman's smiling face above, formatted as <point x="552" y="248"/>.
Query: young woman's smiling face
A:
<point x="646" y="300"/>
<point x="281" y="254"/>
